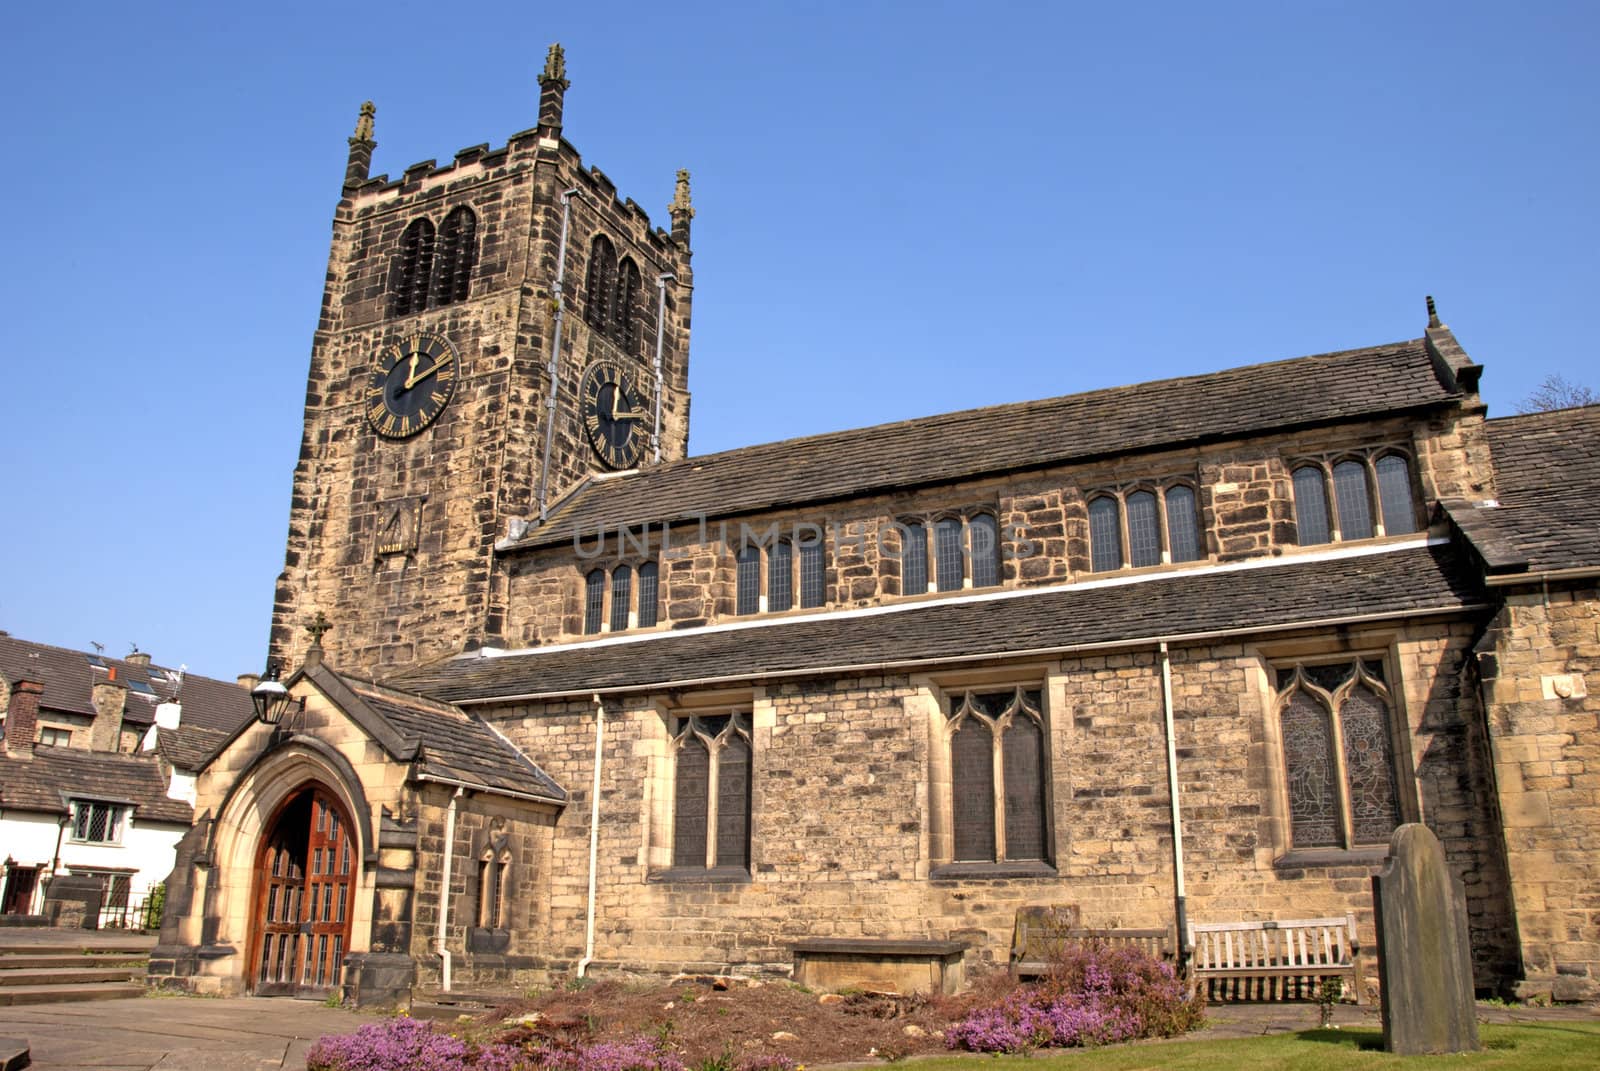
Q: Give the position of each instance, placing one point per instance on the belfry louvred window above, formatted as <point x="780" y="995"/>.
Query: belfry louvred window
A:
<point x="1336" y="722"/>
<point x="611" y="294"/>
<point x="433" y="268"/>
<point x="711" y="792"/>
<point x="997" y="776"/>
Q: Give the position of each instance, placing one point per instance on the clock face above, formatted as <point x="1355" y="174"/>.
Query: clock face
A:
<point x="411" y="384"/>
<point x="614" y="414"/>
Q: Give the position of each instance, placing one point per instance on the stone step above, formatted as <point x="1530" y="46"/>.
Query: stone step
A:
<point x="60" y="994"/>
<point x="128" y="947"/>
<point x="68" y="975"/>
<point x="73" y="959"/>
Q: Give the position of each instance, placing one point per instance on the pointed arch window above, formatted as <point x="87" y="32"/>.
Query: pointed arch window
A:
<point x="649" y="595"/>
<point x="1153" y="525"/>
<point x="747" y="583"/>
<point x="1336" y="723"/>
<point x="813" y="591"/>
<point x="621" y="596"/>
<point x="780" y="577"/>
<point x="949" y="554"/>
<point x="996" y="747"/>
<point x="1399" y="509"/>
<point x="712" y="792"/>
<point x="412" y="273"/>
<point x="457" y="252"/>
<point x="494" y="871"/>
<point x="913" y="558"/>
<point x="1105" y="534"/>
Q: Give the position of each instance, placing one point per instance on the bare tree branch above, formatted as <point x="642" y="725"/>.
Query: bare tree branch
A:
<point x="1554" y="392"/>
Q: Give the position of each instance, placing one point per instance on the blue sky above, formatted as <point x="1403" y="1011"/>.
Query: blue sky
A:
<point x="903" y="209"/>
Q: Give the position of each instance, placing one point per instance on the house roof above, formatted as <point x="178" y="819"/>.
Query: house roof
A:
<point x="442" y="742"/>
<point x="1007" y="438"/>
<point x="1546" y="515"/>
<point x="1271" y="594"/>
<point x="69" y="677"/>
<point x="40" y="783"/>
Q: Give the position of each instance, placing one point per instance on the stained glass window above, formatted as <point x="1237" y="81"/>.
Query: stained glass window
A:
<point x="1015" y="716"/>
<point x="780" y="577"/>
<point x="1324" y="811"/>
<point x="1311" y="506"/>
<point x="983" y="532"/>
<point x="913" y="559"/>
<point x="1394" y="494"/>
<point x="690" y="809"/>
<point x="621" y="596"/>
<point x="712" y="786"/>
<point x="1144" y="530"/>
<point x="648" y="594"/>
<point x="1183" y="524"/>
<point x="1350" y="492"/>
<point x="1105" y="535"/>
<point x="594" y="600"/>
<point x="747" y="597"/>
<point x="812" y="592"/>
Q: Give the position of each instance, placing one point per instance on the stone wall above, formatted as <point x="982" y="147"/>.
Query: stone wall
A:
<point x="1538" y="663"/>
<point x="849" y="837"/>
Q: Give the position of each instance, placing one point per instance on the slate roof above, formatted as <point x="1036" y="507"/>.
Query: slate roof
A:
<point x="443" y="741"/>
<point x="1286" y="593"/>
<point x="38" y="784"/>
<point x="1009" y="438"/>
<point x="1547" y="477"/>
<point x="209" y="706"/>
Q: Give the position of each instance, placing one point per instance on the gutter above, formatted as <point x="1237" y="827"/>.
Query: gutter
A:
<point x="594" y="833"/>
<point x="1179" y="898"/>
<point x="1586" y="572"/>
<point x="444" y="891"/>
<point x="471" y="786"/>
<point x="1182" y="638"/>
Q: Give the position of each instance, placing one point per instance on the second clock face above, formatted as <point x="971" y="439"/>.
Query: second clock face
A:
<point x="613" y="411"/>
<point x="411" y="385"/>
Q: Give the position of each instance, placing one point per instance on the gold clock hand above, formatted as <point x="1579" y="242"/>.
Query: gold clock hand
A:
<point x="414" y="378"/>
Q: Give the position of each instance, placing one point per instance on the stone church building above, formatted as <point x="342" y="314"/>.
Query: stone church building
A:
<point x="571" y="700"/>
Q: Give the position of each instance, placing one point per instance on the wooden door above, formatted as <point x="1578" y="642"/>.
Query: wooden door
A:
<point x="305" y="891"/>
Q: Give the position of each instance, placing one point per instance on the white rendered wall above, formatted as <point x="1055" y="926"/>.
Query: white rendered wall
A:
<point x="147" y="847"/>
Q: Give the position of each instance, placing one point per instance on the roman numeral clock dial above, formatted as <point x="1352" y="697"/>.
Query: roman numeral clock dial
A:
<point x="411" y="384"/>
<point x="614" y="413"/>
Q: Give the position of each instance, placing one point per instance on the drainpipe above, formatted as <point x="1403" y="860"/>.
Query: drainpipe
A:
<point x="594" y="833"/>
<point x="661" y="327"/>
<point x="444" y="890"/>
<point x="555" y="351"/>
<point x="1172" y="792"/>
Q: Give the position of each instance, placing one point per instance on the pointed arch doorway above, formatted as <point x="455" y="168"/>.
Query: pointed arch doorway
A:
<point x="305" y="876"/>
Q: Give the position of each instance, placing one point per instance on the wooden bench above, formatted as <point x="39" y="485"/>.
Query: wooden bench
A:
<point x="1274" y="960"/>
<point x="1042" y="931"/>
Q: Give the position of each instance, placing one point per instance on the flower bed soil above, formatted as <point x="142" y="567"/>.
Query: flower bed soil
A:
<point x="703" y="1021"/>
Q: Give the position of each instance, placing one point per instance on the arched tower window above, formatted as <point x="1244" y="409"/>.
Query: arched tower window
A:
<point x="624" y="322"/>
<point x="600" y="285"/>
<point x="413" y="269"/>
<point x="457" y="253"/>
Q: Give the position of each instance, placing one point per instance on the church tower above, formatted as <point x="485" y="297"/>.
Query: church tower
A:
<point x="493" y="331"/>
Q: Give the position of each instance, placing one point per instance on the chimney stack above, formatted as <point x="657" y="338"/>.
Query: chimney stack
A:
<point x="248" y="681"/>
<point x="109" y="698"/>
<point x="22" y="718"/>
<point x="138" y="658"/>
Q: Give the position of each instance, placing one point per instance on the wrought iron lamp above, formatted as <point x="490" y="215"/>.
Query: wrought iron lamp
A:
<point x="270" y="698"/>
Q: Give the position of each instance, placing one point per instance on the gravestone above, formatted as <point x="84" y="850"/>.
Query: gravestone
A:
<point x="1424" y="956"/>
<point x="72" y="901"/>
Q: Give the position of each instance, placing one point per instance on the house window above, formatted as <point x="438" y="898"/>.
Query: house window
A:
<point x="997" y="776"/>
<point x="649" y="573"/>
<point x="711" y="792"/>
<point x="494" y="871"/>
<point x="55" y="737"/>
<point x="1154" y="525"/>
<point x="812" y="587"/>
<point x="97" y="823"/>
<point x="594" y="600"/>
<point x="1352" y="511"/>
<point x="1338" y="753"/>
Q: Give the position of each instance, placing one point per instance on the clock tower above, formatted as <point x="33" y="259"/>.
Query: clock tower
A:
<point x="493" y="331"/>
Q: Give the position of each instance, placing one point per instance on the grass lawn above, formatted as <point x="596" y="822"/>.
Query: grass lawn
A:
<point x="1534" y="1047"/>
